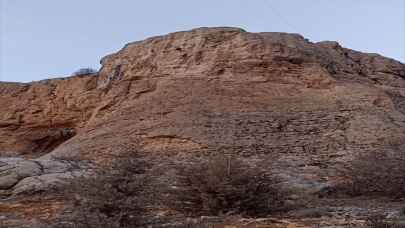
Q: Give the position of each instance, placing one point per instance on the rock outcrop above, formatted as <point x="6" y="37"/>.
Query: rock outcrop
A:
<point x="313" y="105"/>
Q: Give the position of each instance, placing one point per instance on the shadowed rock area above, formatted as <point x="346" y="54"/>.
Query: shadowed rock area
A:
<point x="310" y="106"/>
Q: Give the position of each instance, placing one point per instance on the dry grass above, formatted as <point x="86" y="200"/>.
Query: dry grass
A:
<point x="379" y="221"/>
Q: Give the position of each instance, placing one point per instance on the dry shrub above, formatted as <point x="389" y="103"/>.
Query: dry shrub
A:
<point x="379" y="221"/>
<point x="84" y="71"/>
<point x="377" y="174"/>
<point x="112" y="197"/>
<point x="223" y="186"/>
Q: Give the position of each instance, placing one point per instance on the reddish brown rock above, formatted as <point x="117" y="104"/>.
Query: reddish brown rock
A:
<point x="36" y="117"/>
<point x="210" y="87"/>
<point x="314" y="105"/>
<point x="213" y="89"/>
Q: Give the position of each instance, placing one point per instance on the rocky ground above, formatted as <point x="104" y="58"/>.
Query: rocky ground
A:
<point x="309" y="107"/>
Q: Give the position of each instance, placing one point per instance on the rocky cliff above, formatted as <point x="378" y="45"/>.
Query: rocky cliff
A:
<point x="314" y="105"/>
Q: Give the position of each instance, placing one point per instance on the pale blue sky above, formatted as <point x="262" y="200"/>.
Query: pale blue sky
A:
<point x="52" y="38"/>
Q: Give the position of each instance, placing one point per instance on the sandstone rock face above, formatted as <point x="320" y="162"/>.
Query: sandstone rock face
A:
<point x="315" y="105"/>
<point x="37" y="117"/>
<point x="213" y="87"/>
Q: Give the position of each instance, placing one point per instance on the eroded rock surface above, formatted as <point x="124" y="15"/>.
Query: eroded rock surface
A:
<point x="313" y="105"/>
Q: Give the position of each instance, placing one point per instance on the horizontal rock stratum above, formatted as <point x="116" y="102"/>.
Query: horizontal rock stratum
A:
<point x="310" y="106"/>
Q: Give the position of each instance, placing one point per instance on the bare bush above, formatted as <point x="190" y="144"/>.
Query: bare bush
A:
<point x="379" y="221"/>
<point x="84" y="71"/>
<point x="113" y="197"/>
<point x="223" y="186"/>
<point x="377" y="174"/>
